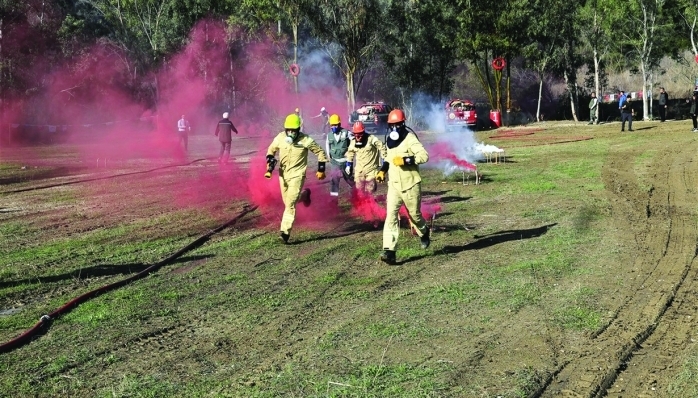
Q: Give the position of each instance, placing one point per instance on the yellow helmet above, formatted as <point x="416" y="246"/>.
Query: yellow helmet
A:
<point x="292" y="122"/>
<point x="334" y="119"/>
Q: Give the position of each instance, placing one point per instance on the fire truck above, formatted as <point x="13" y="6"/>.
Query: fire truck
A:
<point x="460" y="114"/>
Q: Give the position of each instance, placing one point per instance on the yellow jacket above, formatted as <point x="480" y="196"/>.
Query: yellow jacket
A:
<point x="293" y="158"/>
<point x="367" y="157"/>
<point x="405" y="177"/>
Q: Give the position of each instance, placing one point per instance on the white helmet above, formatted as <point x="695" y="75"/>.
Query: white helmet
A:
<point x="225" y="115"/>
<point x="322" y="109"/>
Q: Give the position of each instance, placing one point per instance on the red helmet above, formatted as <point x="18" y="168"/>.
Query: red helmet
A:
<point x="358" y="128"/>
<point x="396" y="116"/>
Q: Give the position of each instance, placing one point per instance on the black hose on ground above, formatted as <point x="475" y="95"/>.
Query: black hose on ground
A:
<point x="46" y="320"/>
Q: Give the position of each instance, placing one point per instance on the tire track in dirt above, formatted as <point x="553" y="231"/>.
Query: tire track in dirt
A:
<point x="662" y="222"/>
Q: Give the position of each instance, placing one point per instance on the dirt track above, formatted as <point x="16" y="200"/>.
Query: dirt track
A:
<point x="640" y="347"/>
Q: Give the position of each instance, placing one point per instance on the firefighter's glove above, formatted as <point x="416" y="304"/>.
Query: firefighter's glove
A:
<point x="403" y="161"/>
<point x="347" y="169"/>
<point x="320" y="175"/>
<point x="380" y="176"/>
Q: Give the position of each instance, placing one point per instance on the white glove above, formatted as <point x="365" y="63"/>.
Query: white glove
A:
<point x="348" y="169"/>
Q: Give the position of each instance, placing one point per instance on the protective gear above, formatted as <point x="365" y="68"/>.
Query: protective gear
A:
<point x="305" y="197"/>
<point x="321" y="166"/>
<point x="404" y="160"/>
<point x="358" y="129"/>
<point x="293" y="164"/>
<point x="225" y="115"/>
<point x="396" y="116"/>
<point x="394" y="134"/>
<point x="271" y="163"/>
<point x="322" y="109"/>
<point x="297" y="110"/>
<point x="425" y="240"/>
<point x="388" y="257"/>
<point x="293" y="122"/>
<point x="320" y="175"/>
<point x="380" y="176"/>
<point x="284" y="236"/>
<point x="334" y="119"/>
<point x="347" y="169"/>
<point x="335" y="129"/>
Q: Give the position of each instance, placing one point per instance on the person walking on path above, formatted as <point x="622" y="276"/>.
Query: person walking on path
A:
<point x="293" y="146"/>
<point x="224" y="131"/>
<point x="404" y="155"/>
<point x="183" y="129"/>
<point x="593" y="108"/>
<point x="663" y="104"/>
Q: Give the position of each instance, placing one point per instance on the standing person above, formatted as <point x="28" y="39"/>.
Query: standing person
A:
<point x="694" y="111"/>
<point x="183" y="129"/>
<point x="224" y="131"/>
<point x="627" y="114"/>
<point x="297" y="111"/>
<point x="336" y="145"/>
<point x="593" y="107"/>
<point x="368" y="150"/>
<point x="404" y="155"/>
<point x="663" y="103"/>
<point x="293" y="146"/>
<point x="621" y="100"/>
<point x="325" y="120"/>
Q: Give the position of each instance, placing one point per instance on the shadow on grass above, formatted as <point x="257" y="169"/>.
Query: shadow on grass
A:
<point x="645" y="128"/>
<point x="95" y="271"/>
<point x="350" y="230"/>
<point x="38" y="175"/>
<point x="486" y="241"/>
<point x="497" y="238"/>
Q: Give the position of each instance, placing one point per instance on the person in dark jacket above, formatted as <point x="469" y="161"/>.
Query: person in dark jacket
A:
<point x="694" y="115"/>
<point x="626" y="114"/>
<point x="224" y="133"/>
<point x="663" y="103"/>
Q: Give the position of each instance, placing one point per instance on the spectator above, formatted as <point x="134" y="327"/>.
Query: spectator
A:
<point x="183" y="129"/>
<point x="663" y="103"/>
<point x="626" y="113"/>
<point x="593" y="108"/>
<point x="693" y="111"/>
<point x="621" y="100"/>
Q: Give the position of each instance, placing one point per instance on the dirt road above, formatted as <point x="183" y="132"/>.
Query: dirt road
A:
<point x="636" y="353"/>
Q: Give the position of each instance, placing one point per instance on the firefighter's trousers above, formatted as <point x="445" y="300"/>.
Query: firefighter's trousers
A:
<point x="412" y="198"/>
<point x="290" y="192"/>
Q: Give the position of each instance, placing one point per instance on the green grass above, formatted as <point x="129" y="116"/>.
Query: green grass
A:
<point x="245" y="316"/>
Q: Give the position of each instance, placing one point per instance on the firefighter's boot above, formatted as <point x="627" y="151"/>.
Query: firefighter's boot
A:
<point x="284" y="237"/>
<point x="305" y="197"/>
<point x="425" y="240"/>
<point x="388" y="257"/>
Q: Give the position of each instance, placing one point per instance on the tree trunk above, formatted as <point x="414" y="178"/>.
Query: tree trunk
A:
<point x="597" y="84"/>
<point x="571" y="86"/>
<point x="645" y="82"/>
<point x="295" y="54"/>
<point x="540" y="96"/>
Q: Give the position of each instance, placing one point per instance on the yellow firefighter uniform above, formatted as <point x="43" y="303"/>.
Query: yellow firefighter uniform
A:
<point x="367" y="162"/>
<point x="293" y="162"/>
<point x="404" y="186"/>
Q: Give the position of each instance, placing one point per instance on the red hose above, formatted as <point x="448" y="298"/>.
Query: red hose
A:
<point x="45" y="320"/>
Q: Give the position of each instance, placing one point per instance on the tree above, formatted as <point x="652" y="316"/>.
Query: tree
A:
<point x="419" y="49"/>
<point x="349" y="30"/>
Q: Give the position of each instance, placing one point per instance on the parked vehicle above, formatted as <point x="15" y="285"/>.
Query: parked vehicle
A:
<point x="460" y="114"/>
<point x="374" y="116"/>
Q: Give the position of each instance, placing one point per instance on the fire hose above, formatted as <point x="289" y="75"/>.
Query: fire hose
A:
<point x="46" y="320"/>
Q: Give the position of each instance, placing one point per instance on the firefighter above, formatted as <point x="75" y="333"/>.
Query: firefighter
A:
<point x="183" y="129"/>
<point x="336" y="145"/>
<point x="293" y="146"/>
<point x="404" y="155"/>
<point x="223" y="131"/>
<point x="363" y="161"/>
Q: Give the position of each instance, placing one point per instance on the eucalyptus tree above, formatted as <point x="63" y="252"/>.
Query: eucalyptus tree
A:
<point x="419" y="46"/>
<point x="596" y="35"/>
<point x="548" y="39"/>
<point x="486" y="31"/>
<point x="349" y="30"/>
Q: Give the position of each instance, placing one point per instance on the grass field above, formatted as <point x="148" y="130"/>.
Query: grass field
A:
<point x="524" y="272"/>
